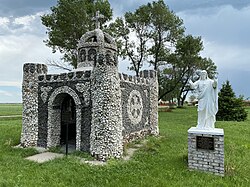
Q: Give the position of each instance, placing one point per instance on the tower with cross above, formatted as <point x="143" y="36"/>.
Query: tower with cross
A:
<point x="97" y="19"/>
<point x="92" y="43"/>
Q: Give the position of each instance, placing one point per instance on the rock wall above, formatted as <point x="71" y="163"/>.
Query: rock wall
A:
<point x="106" y="126"/>
<point x="153" y="100"/>
<point x="139" y="105"/>
<point x="111" y="109"/>
<point x="52" y="90"/>
<point x="29" y="133"/>
<point x="105" y="108"/>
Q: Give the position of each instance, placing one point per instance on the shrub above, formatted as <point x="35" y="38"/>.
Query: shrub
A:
<point x="230" y="107"/>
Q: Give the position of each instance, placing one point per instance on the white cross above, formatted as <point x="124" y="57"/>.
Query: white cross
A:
<point x="97" y="18"/>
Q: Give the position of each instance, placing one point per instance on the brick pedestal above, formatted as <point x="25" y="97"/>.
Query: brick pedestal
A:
<point x="206" y="150"/>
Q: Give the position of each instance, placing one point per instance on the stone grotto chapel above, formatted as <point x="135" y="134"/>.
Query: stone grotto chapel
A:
<point x="102" y="108"/>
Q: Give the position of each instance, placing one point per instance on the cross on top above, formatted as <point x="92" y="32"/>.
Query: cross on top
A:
<point x="97" y="18"/>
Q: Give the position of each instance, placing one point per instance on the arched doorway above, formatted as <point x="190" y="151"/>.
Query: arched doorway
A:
<point x="64" y="102"/>
<point x="68" y="122"/>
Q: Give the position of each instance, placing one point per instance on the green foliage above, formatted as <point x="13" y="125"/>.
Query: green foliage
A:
<point x="181" y="66"/>
<point x="68" y="21"/>
<point x="146" y="34"/>
<point x="230" y="107"/>
<point x="161" y="162"/>
<point x="137" y="23"/>
<point x="166" y="29"/>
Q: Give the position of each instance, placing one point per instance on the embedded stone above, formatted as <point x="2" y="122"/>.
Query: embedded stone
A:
<point x="101" y="109"/>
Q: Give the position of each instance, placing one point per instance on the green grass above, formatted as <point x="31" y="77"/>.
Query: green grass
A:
<point x="161" y="162"/>
<point x="10" y="109"/>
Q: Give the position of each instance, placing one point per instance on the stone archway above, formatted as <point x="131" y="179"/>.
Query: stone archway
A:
<point x="54" y="116"/>
<point x="68" y="121"/>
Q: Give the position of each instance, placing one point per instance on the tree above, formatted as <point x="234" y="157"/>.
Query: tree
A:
<point x="136" y="23"/>
<point x="230" y="107"/>
<point x="181" y="66"/>
<point x="146" y="34"/>
<point x="200" y="64"/>
<point x="68" y="21"/>
<point x="165" y="29"/>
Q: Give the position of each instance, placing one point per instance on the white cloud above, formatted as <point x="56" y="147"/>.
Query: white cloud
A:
<point x="4" y="24"/>
<point x="227" y="56"/>
<point x="5" y="93"/>
<point x="29" y="24"/>
<point x="22" y="44"/>
<point x="223" y="24"/>
<point x="11" y="83"/>
<point x="226" y="40"/>
<point x="10" y="94"/>
<point x="4" y="21"/>
<point x="225" y="31"/>
<point x="25" y="20"/>
<point x="15" y="50"/>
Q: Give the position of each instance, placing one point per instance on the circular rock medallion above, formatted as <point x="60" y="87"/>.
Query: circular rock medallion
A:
<point x="135" y="107"/>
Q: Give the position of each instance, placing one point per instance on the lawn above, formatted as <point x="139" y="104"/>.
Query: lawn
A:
<point x="161" y="162"/>
<point x="10" y="109"/>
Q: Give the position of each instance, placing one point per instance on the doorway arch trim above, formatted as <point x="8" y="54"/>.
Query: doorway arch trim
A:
<point x="54" y="116"/>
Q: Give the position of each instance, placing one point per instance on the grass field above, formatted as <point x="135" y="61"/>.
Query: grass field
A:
<point x="10" y="109"/>
<point x="161" y="162"/>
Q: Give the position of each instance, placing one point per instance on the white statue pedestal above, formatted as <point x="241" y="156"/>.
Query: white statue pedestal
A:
<point x="206" y="150"/>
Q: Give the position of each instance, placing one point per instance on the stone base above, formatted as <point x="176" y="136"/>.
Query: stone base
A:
<point x="206" y="150"/>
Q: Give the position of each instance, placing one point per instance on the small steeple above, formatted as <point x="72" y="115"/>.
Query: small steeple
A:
<point x="97" y="18"/>
<point x="93" y="43"/>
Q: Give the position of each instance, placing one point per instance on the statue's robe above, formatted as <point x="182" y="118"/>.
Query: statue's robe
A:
<point x="207" y="102"/>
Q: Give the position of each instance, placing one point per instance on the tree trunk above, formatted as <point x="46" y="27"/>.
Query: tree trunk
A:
<point x="184" y="97"/>
<point x="179" y="102"/>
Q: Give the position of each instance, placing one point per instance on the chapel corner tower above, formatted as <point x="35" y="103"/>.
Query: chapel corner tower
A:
<point x="106" y="127"/>
<point x="31" y="71"/>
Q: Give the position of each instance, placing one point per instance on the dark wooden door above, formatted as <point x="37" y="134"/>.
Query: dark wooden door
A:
<point x="68" y="116"/>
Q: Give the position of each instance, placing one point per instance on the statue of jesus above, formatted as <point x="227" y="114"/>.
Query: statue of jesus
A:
<point x="207" y="100"/>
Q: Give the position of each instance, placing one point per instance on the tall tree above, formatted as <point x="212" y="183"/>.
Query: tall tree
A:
<point x="182" y="65"/>
<point x="165" y="29"/>
<point x="132" y="25"/>
<point x="68" y="21"/>
<point x="146" y="34"/>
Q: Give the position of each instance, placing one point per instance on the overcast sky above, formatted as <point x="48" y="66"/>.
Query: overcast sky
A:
<point x="224" y="26"/>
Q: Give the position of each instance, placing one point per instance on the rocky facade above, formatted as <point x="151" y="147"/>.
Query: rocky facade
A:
<point x="31" y="71"/>
<point x="75" y="84"/>
<point x="109" y="109"/>
<point x="139" y="114"/>
<point x="106" y="126"/>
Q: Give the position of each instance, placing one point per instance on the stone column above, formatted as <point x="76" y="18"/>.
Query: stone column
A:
<point x="31" y="72"/>
<point x="106" y="126"/>
<point x="206" y="150"/>
<point x="151" y="75"/>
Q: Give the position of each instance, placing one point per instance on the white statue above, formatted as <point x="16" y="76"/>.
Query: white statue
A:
<point x="207" y="100"/>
